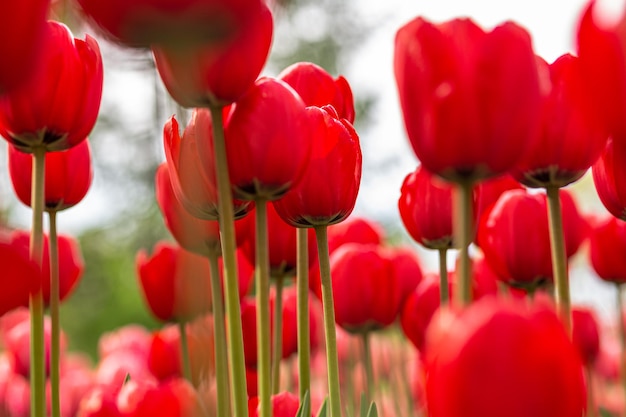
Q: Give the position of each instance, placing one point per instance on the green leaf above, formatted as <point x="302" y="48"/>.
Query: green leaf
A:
<point x="322" y="412"/>
<point x="305" y="407"/>
<point x="373" y="411"/>
<point x="605" y="413"/>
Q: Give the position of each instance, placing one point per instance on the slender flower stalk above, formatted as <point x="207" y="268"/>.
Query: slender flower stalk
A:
<point x="55" y="345"/>
<point x="37" y="351"/>
<point x="559" y="258"/>
<point x="332" y="361"/>
<point x="277" y="348"/>
<point x="367" y="362"/>
<point x="236" y="363"/>
<point x="302" y="284"/>
<point x="622" y="334"/>
<point x="184" y="351"/>
<point x="263" y="309"/>
<point x="463" y="235"/>
<point x="444" y="295"/>
<point x="221" y="354"/>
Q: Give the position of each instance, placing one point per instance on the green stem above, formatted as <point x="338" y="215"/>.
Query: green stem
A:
<point x="55" y="342"/>
<point x="219" y="338"/>
<point x="332" y="361"/>
<point x="184" y="352"/>
<point x="236" y="361"/>
<point x="559" y="258"/>
<point x="263" y="310"/>
<point x="37" y="349"/>
<point x="463" y="236"/>
<point x="277" y="352"/>
<point x="302" y="288"/>
<point x="369" y="369"/>
<point x="622" y="335"/>
<point x="591" y="402"/>
<point x="444" y="295"/>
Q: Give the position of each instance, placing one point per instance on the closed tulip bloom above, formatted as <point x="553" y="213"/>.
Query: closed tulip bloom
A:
<point x="267" y="142"/>
<point x="58" y="106"/>
<point x="217" y="72"/>
<point x="284" y="404"/>
<point x="67" y="177"/>
<point x="26" y="21"/>
<point x="327" y="193"/>
<point x="319" y="88"/>
<point x="143" y="23"/>
<point x="502" y="357"/>
<point x="355" y="230"/>
<point x="490" y="191"/>
<point x="607" y="243"/>
<point x="366" y="289"/>
<point x="571" y="137"/>
<point x="193" y="234"/>
<point x="20" y="277"/>
<point x="175" y="282"/>
<point x="602" y="52"/>
<point x="519" y="254"/>
<point x="71" y="262"/>
<point x="173" y="398"/>
<point x="586" y="334"/>
<point x="469" y="98"/>
<point x="609" y="177"/>
<point x="190" y="161"/>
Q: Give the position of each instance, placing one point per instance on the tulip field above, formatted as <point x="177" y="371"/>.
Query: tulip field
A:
<point x="273" y="297"/>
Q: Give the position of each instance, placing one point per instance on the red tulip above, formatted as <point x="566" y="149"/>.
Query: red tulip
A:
<point x="607" y="245"/>
<point x="267" y="142"/>
<point x="20" y="277"/>
<point x="190" y="160"/>
<point x="336" y="155"/>
<point x="602" y="52"/>
<point x="490" y="191"/>
<point x="586" y="334"/>
<point x="609" y="177"/>
<point x="502" y="357"/>
<point x="282" y="239"/>
<point x="98" y="403"/>
<point x="406" y="267"/>
<point x="284" y="404"/>
<point x="419" y="308"/>
<point x="425" y="207"/>
<point x="318" y="88"/>
<point x="174" y="398"/>
<point x="175" y="283"/>
<point x="193" y="234"/>
<point x="143" y="23"/>
<point x="355" y="230"/>
<point x="164" y="356"/>
<point x="57" y="107"/>
<point x="71" y="263"/>
<point x="22" y="24"/>
<point x="470" y="98"/>
<point x="366" y="289"/>
<point x="518" y="254"/>
<point x="67" y="176"/>
<point x="219" y="71"/>
<point x="571" y="136"/>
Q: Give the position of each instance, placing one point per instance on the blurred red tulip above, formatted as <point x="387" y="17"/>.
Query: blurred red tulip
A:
<point x="489" y="192"/>
<point x="470" y="98"/>
<point x="190" y="161"/>
<point x="217" y="72"/>
<point x="336" y="155"/>
<point x="318" y="88"/>
<point x="71" y="263"/>
<point x="173" y="398"/>
<point x="607" y="245"/>
<point x="98" y="403"/>
<point x="586" y="334"/>
<point x="602" y="52"/>
<point x="20" y="277"/>
<point x="355" y="230"/>
<point x="267" y="141"/>
<point x="609" y="177"/>
<point x="571" y="137"/>
<point x="24" y="21"/>
<point x="502" y="357"/>
<point x="284" y="404"/>
<point x="67" y="176"/>
<point x="58" y="105"/>
<point x="193" y="234"/>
